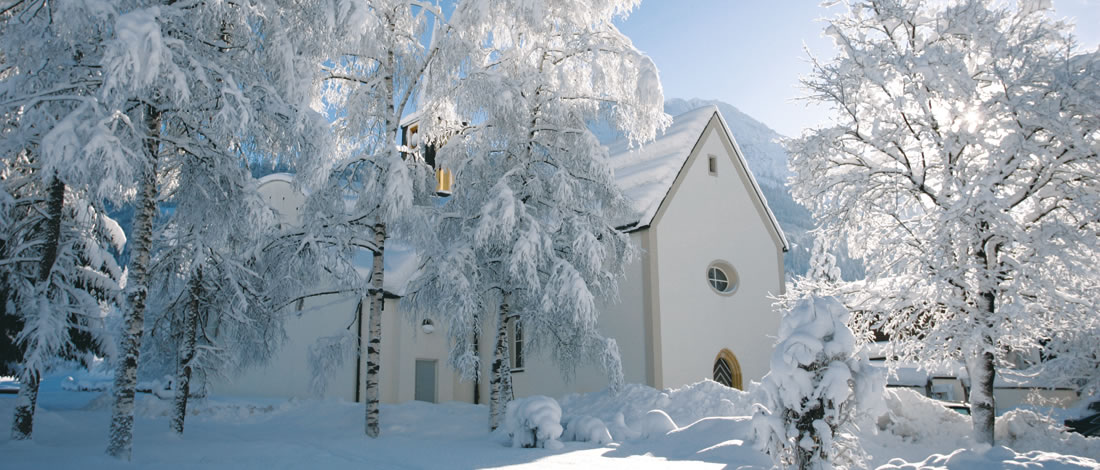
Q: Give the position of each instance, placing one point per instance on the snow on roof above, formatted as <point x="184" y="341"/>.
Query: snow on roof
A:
<point x="284" y="177"/>
<point x="400" y="264"/>
<point x="645" y="174"/>
<point x="907" y="376"/>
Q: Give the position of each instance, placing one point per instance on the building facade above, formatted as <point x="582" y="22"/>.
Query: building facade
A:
<point x="694" y="305"/>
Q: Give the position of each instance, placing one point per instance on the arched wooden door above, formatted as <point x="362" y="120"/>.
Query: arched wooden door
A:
<point x="727" y="371"/>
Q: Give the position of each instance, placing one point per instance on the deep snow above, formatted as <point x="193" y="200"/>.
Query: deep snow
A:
<point x="711" y="429"/>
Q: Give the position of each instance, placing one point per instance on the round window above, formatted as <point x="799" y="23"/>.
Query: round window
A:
<point x="722" y="278"/>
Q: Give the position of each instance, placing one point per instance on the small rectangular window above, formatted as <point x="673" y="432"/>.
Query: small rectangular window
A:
<point x="516" y="332"/>
<point x="712" y="164"/>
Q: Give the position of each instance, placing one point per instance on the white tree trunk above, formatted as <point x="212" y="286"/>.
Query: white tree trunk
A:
<point x="186" y="355"/>
<point x="374" y="333"/>
<point x="122" y="417"/>
<point x="26" y="404"/>
<point x="500" y="376"/>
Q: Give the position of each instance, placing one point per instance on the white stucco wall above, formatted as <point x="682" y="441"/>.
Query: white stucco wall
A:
<point x="623" y="320"/>
<point x="289" y="373"/>
<point x="403" y="343"/>
<point x="712" y="218"/>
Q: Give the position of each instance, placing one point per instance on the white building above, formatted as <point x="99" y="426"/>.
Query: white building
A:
<point x="695" y="305"/>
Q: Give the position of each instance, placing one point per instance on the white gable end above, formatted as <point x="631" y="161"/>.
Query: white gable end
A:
<point x="714" y="218"/>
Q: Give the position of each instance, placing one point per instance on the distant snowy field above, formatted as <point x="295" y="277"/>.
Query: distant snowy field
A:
<point x="711" y="431"/>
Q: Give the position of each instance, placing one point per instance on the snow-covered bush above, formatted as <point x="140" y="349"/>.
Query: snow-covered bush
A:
<point x="534" y="422"/>
<point x="657" y="423"/>
<point x="817" y="384"/>
<point x="624" y="412"/>
<point x="586" y="429"/>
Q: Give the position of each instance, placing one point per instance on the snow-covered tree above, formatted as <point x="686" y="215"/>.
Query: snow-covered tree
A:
<point x="375" y="58"/>
<point x="203" y="80"/>
<point x="59" y="279"/>
<point x="213" y="312"/>
<point x="528" y="234"/>
<point x="962" y="169"/>
<point x="822" y="278"/>
<point x="818" y="383"/>
<point x="53" y="259"/>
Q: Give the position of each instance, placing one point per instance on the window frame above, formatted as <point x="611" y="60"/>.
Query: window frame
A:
<point x="517" y="358"/>
<point x="732" y="279"/>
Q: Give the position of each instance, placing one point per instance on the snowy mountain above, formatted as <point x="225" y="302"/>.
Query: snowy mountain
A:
<point x="760" y="143"/>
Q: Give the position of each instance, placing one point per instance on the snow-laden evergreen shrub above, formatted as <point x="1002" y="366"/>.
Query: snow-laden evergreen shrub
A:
<point x="818" y="382"/>
<point x="534" y="422"/>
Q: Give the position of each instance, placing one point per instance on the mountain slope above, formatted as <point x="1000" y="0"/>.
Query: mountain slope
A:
<point x="759" y="143"/>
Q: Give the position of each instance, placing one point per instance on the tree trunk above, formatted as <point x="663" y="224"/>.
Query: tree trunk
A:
<point x="26" y="404"/>
<point x="980" y="362"/>
<point x="122" y="417"/>
<point x="981" y="369"/>
<point x="982" y="407"/>
<point x="374" y="334"/>
<point x="500" y="377"/>
<point x="477" y="353"/>
<point x="187" y="354"/>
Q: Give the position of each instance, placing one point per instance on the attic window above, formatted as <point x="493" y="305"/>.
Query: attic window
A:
<point x="712" y="164"/>
<point x="412" y="139"/>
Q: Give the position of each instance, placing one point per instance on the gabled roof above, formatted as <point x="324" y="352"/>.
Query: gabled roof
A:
<point x="646" y="174"/>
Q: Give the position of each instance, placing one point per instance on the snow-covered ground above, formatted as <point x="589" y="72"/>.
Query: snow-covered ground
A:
<point x="711" y="430"/>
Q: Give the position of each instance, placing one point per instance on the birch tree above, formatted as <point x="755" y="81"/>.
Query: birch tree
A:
<point x="214" y="315"/>
<point x="529" y="231"/>
<point x="963" y="169"/>
<point x="200" y="79"/>
<point x="377" y="55"/>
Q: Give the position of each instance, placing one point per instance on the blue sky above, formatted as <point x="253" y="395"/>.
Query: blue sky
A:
<point x="750" y="53"/>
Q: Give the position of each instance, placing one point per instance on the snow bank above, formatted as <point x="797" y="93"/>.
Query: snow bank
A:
<point x="586" y="429"/>
<point x="917" y="418"/>
<point x="222" y="409"/>
<point x="1026" y="430"/>
<point x="9" y="385"/>
<point x="625" y="412"/>
<point x="994" y="458"/>
<point x="916" y="426"/>
<point x="534" y="422"/>
<point x="264" y="433"/>
<point x="657" y="423"/>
